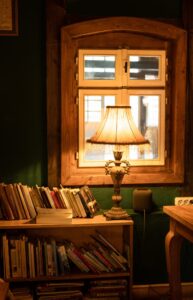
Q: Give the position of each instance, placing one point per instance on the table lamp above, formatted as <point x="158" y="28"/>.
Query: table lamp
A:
<point x="117" y="128"/>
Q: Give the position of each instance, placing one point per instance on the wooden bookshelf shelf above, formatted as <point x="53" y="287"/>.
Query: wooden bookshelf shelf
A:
<point x="119" y="233"/>
<point x="98" y="221"/>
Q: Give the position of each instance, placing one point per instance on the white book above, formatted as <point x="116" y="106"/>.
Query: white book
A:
<point x="65" y="197"/>
<point x="29" y="203"/>
<point x="23" y="201"/>
<point x="71" y="201"/>
<point x="75" y="202"/>
<point x="53" y="220"/>
<point x="54" y="211"/>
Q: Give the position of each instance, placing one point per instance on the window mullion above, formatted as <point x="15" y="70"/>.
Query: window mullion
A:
<point x="125" y="66"/>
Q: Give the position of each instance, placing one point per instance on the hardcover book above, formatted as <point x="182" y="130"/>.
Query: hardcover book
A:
<point x="53" y="215"/>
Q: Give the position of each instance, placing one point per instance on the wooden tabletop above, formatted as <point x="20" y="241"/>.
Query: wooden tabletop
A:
<point x="183" y="214"/>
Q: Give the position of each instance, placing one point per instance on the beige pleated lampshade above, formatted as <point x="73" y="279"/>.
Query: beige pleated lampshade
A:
<point x="118" y="128"/>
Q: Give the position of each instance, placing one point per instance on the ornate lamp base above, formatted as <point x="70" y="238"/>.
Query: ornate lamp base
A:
<point x="117" y="172"/>
<point x="116" y="213"/>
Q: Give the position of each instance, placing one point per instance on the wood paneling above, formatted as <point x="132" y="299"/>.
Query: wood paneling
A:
<point x="55" y="13"/>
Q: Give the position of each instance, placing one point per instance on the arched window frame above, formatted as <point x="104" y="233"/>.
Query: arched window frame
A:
<point x="113" y="31"/>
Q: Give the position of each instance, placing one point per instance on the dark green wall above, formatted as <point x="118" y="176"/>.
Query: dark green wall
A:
<point x="132" y="8"/>
<point x="23" y="147"/>
<point x="23" y="150"/>
<point x="23" y="98"/>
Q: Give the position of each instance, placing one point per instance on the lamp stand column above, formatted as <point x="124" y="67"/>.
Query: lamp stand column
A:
<point x="117" y="173"/>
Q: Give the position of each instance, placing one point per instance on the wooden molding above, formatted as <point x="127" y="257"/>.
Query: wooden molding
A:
<point x="119" y="32"/>
<point x="61" y="153"/>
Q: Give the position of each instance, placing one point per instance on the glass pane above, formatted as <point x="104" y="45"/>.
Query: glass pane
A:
<point x="145" y="110"/>
<point x="144" y="67"/>
<point x="99" y="67"/>
<point x="94" y="110"/>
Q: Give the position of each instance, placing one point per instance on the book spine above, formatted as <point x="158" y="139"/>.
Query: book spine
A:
<point x="73" y="203"/>
<point x="7" y="211"/>
<point x="75" y="258"/>
<point x="11" y="200"/>
<point x="14" y="258"/>
<point x="54" y="258"/>
<point x="28" y="201"/>
<point x="49" y="197"/>
<point x="64" y="197"/>
<point x="59" y="197"/>
<point x="101" y="257"/>
<point x="84" y="203"/>
<point x="79" y="203"/>
<point x="55" y="199"/>
<point x="63" y="258"/>
<point x="50" y="268"/>
<point x="15" y="200"/>
<point x="41" y="257"/>
<point x="19" y="202"/>
<point x="6" y="260"/>
<point x="23" y="241"/>
<point x="44" y="197"/>
<point x="95" y="267"/>
<point x="18" y="187"/>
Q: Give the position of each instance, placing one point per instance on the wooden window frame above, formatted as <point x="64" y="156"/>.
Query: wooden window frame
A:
<point x="121" y="77"/>
<point x="118" y="93"/>
<point x="81" y="35"/>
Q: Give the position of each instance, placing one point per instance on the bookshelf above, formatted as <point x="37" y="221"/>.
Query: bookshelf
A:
<point x="119" y="233"/>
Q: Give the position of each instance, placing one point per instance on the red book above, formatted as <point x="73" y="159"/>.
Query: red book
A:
<point x="55" y="199"/>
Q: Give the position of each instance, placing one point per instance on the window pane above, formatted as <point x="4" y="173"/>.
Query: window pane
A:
<point x="99" y="67"/>
<point x="144" y="67"/>
<point x="145" y="110"/>
<point x="94" y="110"/>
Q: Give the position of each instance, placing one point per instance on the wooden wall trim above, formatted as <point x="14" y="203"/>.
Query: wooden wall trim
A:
<point x="55" y="18"/>
<point x="120" y="29"/>
<point x="55" y="15"/>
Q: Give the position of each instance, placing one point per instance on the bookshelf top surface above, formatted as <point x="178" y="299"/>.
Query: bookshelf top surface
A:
<point x="98" y="220"/>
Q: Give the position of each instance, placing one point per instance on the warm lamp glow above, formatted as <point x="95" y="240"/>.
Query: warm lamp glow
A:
<point x="117" y="128"/>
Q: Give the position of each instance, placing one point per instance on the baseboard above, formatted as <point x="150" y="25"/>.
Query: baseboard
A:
<point x="160" y="291"/>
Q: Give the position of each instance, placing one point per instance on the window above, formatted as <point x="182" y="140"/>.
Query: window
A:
<point x="122" y="70"/>
<point x="121" y="60"/>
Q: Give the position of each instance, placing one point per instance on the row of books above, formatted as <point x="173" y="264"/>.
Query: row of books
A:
<point x="112" y="289"/>
<point x="104" y="289"/>
<point x="25" y="257"/>
<point x="20" y="293"/>
<point x="60" y="290"/>
<point x="20" y="201"/>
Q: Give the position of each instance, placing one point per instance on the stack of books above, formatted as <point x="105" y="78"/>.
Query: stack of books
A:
<point x="60" y="290"/>
<point x="19" y="201"/>
<point x="21" y="293"/>
<point x="53" y="215"/>
<point x="112" y="289"/>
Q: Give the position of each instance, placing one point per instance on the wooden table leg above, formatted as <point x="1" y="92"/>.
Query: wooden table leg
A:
<point x="173" y="243"/>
